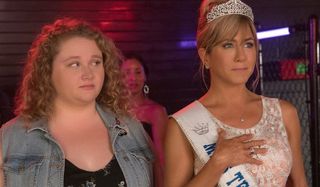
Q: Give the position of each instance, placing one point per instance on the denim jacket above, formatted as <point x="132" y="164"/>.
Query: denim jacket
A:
<point x="32" y="158"/>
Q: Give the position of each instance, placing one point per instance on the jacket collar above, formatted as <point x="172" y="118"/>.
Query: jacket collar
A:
<point x="114" y="123"/>
<point x="109" y="118"/>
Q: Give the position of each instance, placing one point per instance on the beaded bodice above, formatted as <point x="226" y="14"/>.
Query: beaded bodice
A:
<point x="277" y="162"/>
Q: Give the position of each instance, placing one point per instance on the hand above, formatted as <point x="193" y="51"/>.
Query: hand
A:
<point x="237" y="150"/>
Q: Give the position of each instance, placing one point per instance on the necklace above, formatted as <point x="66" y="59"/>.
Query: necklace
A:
<point x="242" y="116"/>
<point x="241" y="119"/>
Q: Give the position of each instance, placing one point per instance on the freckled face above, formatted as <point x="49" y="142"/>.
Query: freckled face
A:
<point x="77" y="71"/>
<point x="233" y="61"/>
<point x="133" y="76"/>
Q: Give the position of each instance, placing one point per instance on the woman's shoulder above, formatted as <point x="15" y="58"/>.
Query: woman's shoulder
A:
<point x="18" y="127"/>
<point x="286" y="107"/>
<point x="151" y="103"/>
<point x="194" y="111"/>
<point x="15" y="124"/>
<point x="14" y="132"/>
<point x="153" y="106"/>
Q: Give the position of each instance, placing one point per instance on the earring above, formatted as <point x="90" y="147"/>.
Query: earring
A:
<point x="206" y="66"/>
<point x="146" y="89"/>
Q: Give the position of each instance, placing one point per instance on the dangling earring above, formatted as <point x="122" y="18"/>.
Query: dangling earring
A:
<point x="146" y="89"/>
<point x="206" y="66"/>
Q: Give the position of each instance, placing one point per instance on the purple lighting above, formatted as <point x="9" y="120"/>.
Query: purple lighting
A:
<point x="273" y="33"/>
<point x="187" y="44"/>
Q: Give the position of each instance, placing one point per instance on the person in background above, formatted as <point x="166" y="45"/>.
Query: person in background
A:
<point x="72" y="128"/>
<point x="232" y="136"/>
<point x="152" y="115"/>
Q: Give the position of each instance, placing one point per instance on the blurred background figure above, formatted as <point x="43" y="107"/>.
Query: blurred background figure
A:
<point x="152" y="115"/>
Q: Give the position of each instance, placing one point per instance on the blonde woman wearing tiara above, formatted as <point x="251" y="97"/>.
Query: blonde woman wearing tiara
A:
<point x="231" y="136"/>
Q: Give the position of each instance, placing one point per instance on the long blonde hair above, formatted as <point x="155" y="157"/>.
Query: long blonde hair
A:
<point x="35" y="95"/>
<point x="220" y="29"/>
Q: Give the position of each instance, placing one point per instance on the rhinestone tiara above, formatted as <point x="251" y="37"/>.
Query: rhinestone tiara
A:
<point x="228" y="8"/>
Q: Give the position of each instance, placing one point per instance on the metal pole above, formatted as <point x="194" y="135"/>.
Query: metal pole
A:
<point x="314" y="103"/>
<point x="260" y="69"/>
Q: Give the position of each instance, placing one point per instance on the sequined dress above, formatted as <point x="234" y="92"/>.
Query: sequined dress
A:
<point x="277" y="163"/>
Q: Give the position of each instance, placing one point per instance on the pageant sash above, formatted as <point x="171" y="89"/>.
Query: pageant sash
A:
<point x="202" y="133"/>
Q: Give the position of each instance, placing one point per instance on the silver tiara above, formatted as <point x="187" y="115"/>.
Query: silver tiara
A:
<point x="228" y="8"/>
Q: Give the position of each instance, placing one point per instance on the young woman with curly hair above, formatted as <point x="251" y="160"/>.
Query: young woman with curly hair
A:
<point x="72" y="127"/>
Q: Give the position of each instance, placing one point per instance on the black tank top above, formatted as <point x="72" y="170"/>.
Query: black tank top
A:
<point x="148" y="128"/>
<point x="111" y="175"/>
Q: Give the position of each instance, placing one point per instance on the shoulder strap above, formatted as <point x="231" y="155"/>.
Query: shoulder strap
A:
<point x="199" y="129"/>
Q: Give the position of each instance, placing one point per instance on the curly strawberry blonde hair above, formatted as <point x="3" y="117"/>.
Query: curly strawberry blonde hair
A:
<point x="36" y="93"/>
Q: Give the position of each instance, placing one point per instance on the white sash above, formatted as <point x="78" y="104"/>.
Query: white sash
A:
<point x="202" y="133"/>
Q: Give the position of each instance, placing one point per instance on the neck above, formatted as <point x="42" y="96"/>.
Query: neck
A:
<point x="64" y="111"/>
<point x="233" y="95"/>
<point x="137" y="99"/>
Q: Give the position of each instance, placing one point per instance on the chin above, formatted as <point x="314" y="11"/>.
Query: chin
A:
<point x="87" y="98"/>
<point x="135" y="92"/>
<point x="238" y="83"/>
<point x="86" y="101"/>
<point x="241" y="80"/>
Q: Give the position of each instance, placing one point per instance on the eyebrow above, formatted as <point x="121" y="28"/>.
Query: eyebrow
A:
<point x="250" y="38"/>
<point x="233" y="40"/>
<point x="78" y="57"/>
<point x="97" y="56"/>
<point x="71" y="58"/>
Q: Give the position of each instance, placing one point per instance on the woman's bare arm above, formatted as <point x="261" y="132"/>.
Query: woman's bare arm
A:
<point x="297" y="176"/>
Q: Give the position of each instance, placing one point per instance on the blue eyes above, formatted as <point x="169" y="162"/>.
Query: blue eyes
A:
<point x="231" y="45"/>
<point x="227" y="45"/>
<point x="249" y="45"/>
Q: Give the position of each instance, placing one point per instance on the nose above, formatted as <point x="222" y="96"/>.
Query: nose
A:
<point x="131" y="76"/>
<point x="240" y="55"/>
<point x="87" y="73"/>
